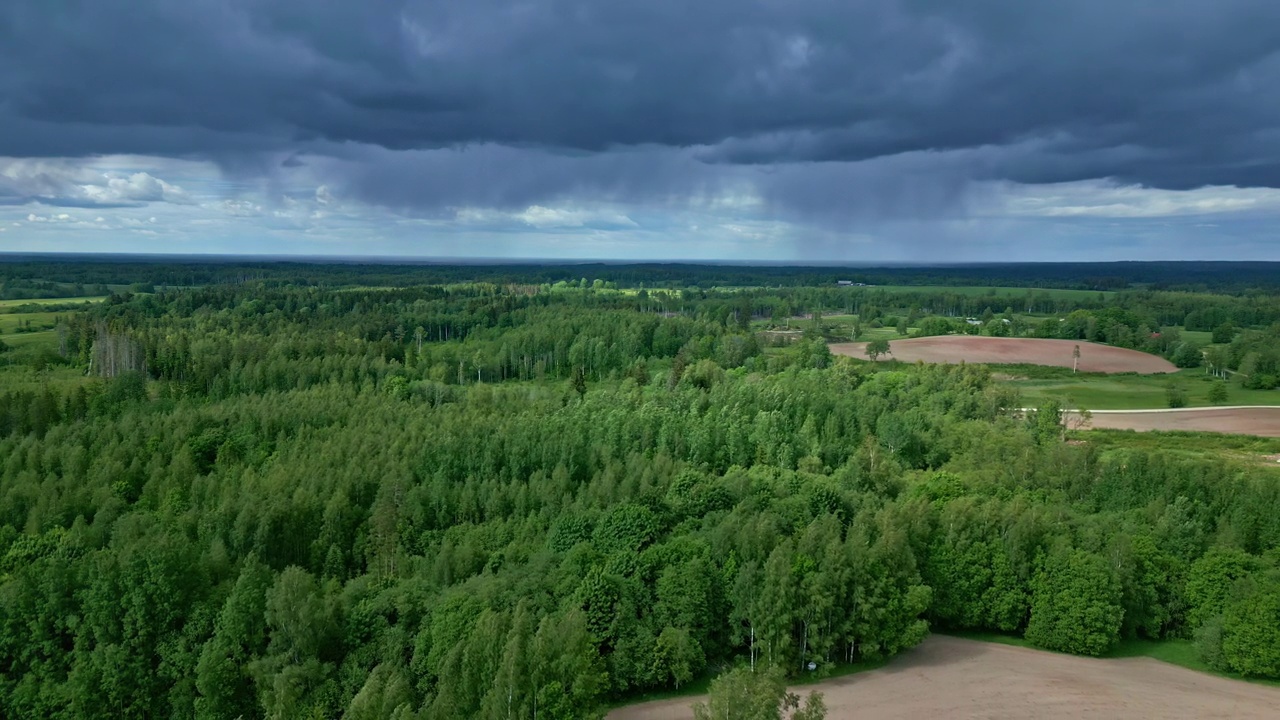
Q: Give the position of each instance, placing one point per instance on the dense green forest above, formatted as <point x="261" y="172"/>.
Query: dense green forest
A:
<point x="537" y="498"/>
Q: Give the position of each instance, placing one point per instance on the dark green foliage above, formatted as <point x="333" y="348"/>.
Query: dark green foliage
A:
<point x="307" y="507"/>
<point x="1187" y="355"/>
<point x="1223" y="333"/>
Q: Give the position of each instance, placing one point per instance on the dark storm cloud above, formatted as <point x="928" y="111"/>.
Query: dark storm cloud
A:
<point x="1171" y="94"/>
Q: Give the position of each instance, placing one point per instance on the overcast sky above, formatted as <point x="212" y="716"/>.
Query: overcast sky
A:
<point x="832" y="130"/>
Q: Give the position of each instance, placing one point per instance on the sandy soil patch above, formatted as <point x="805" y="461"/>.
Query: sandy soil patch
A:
<point x="948" y="677"/>
<point x="1006" y="351"/>
<point x="1261" y="421"/>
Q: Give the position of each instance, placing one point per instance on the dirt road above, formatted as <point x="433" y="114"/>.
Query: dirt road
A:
<point x="947" y="677"/>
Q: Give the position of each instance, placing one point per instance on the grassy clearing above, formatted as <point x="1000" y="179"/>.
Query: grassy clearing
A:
<point x="881" y="333"/>
<point x="1173" y="651"/>
<point x="1125" y="392"/>
<point x="1199" y="337"/>
<point x="10" y="322"/>
<point x="1176" y="652"/>
<point x="22" y="377"/>
<point x="47" y="338"/>
<point x="1248" y="448"/>
<point x="5" y="304"/>
<point x="998" y="292"/>
<point x="42" y="331"/>
<point x="41" y="323"/>
<point x="835" y="328"/>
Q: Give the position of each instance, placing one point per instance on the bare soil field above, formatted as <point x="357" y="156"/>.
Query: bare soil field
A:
<point x="947" y="677"/>
<point x="1260" y="421"/>
<point x="1007" y="351"/>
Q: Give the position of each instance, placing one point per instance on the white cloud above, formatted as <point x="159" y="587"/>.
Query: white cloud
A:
<point x="1095" y="198"/>
<point x="66" y="181"/>
<point x="542" y="217"/>
<point x="55" y="218"/>
<point x="137" y="187"/>
<point x="237" y="208"/>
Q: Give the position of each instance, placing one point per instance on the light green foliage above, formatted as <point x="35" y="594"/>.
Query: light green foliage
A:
<point x="385" y="694"/>
<point x="1210" y="580"/>
<point x="876" y="348"/>
<point x="225" y="687"/>
<point x="741" y="694"/>
<point x="677" y="657"/>
<point x="1251" y="628"/>
<point x="1075" y="604"/>
<point x="1047" y="423"/>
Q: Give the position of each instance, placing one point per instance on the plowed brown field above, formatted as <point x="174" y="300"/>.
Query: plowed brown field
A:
<point x="1262" y="421"/>
<point x="1008" y="351"/>
<point x="947" y="677"/>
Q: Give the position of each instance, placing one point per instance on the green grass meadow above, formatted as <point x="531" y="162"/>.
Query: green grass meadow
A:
<point x="42" y="322"/>
<point x="6" y="304"/>
<point x="1096" y="391"/>
<point x="999" y="292"/>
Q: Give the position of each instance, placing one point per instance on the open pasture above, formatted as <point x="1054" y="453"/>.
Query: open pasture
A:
<point x="1125" y="391"/>
<point x="11" y="322"/>
<point x="1007" y="293"/>
<point x="976" y="349"/>
<point x="5" y="305"/>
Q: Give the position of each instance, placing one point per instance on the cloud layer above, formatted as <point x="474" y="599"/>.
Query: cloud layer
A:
<point x="878" y="119"/>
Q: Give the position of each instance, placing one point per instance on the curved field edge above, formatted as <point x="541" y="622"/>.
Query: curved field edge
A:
<point x="1257" y="421"/>
<point x="952" y="666"/>
<point x="698" y="687"/>
<point x="1174" y="651"/>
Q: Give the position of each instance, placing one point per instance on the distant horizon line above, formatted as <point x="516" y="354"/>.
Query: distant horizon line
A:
<point x="535" y="261"/>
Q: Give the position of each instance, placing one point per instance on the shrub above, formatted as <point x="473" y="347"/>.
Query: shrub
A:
<point x="1218" y="392"/>
<point x="1208" y="641"/>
